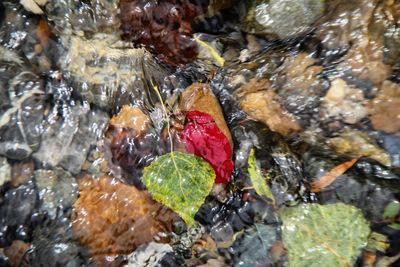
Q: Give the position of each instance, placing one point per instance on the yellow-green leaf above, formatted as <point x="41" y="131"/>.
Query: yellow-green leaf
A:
<point x="180" y="181"/>
<point x="257" y="178"/>
<point x="323" y="235"/>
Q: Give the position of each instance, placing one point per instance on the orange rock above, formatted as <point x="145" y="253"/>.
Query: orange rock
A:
<point x="366" y="62"/>
<point x="199" y="97"/>
<point x="16" y="252"/>
<point x="302" y="71"/>
<point x="22" y="172"/>
<point x="130" y="117"/>
<point x="385" y="114"/>
<point x="112" y="218"/>
<point x="261" y="103"/>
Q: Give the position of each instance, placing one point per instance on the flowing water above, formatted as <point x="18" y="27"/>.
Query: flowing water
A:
<point x="295" y="105"/>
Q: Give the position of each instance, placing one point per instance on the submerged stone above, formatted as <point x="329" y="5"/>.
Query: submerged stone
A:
<point x="282" y="18"/>
<point x="16" y="210"/>
<point x="111" y="218"/>
<point x="58" y="190"/>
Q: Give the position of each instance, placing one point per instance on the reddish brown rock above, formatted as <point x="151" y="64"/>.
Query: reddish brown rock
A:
<point x="15" y="252"/>
<point x="112" y="218"/>
<point x="261" y="103"/>
<point x="385" y="111"/>
<point x="162" y="27"/>
<point x="21" y="173"/>
<point x="130" y="117"/>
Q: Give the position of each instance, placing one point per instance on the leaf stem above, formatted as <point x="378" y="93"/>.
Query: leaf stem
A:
<point x="155" y="87"/>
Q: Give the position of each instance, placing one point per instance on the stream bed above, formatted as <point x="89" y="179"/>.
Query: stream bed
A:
<point x="200" y="133"/>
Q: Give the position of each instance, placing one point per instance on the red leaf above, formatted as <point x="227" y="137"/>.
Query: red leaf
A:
<point x="203" y="138"/>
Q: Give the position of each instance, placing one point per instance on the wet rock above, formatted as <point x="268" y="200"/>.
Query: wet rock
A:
<point x="109" y="73"/>
<point x="71" y="17"/>
<point x="282" y="19"/>
<point x="276" y="159"/>
<point x="184" y="242"/>
<point x="22" y="108"/>
<point x="214" y="263"/>
<point x="261" y="103"/>
<point x="217" y="5"/>
<point x="130" y="117"/>
<point x="391" y="143"/>
<point x="5" y="171"/>
<point x="148" y="255"/>
<point x="251" y="247"/>
<point x="22" y="172"/>
<point x="95" y="62"/>
<point x="366" y="62"/>
<point x="224" y="219"/>
<point x="132" y="142"/>
<point x="199" y="97"/>
<point x="367" y="185"/>
<point x="2" y="11"/>
<point x="55" y="242"/>
<point x="384" y="29"/>
<point x="205" y="249"/>
<point x="345" y="21"/>
<point x="16" y="210"/>
<point x="98" y="162"/>
<point x="385" y="110"/>
<point x="67" y="136"/>
<point x="356" y="144"/>
<point x="343" y="102"/>
<point x="300" y="86"/>
<point x="112" y="218"/>
<point x="33" y="6"/>
<point x="210" y="50"/>
<point x="162" y="27"/>
<point x="58" y="190"/>
<point x="16" y="252"/>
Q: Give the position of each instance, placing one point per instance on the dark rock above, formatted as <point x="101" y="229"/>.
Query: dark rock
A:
<point x="54" y="242"/>
<point x="367" y="185"/>
<point x="16" y="210"/>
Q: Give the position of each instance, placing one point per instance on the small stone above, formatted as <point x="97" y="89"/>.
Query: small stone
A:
<point x="57" y="189"/>
<point x="131" y="117"/>
<point x="16" y="210"/>
<point x="67" y="139"/>
<point x="344" y="102"/>
<point x="338" y="90"/>
<point x="5" y="171"/>
<point x="261" y="103"/>
<point x="282" y="18"/>
<point x="148" y="255"/>
<point x="357" y="144"/>
<point x="385" y="110"/>
<point x="16" y="252"/>
<point x="22" y="172"/>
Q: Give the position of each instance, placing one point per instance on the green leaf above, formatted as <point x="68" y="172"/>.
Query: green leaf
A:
<point x="378" y="242"/>
<point x="323" y="235"/>
<point x="180" y="181"/>
<point x="257" y="179"/>
<point x="391" y="210"/>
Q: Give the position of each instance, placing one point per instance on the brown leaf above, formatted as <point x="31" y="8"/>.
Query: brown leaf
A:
<point x="199" y="97"/>
<point x="331" y="176"/>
